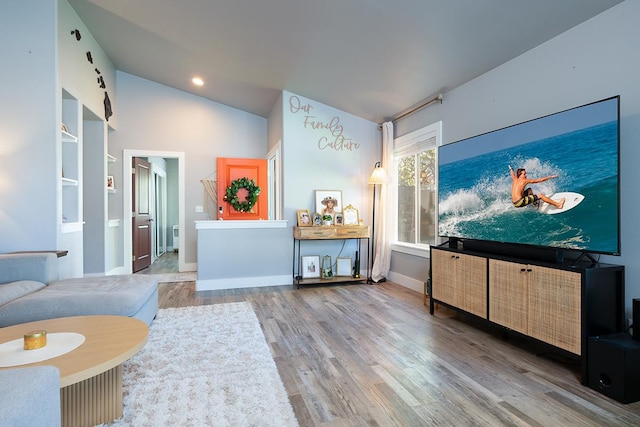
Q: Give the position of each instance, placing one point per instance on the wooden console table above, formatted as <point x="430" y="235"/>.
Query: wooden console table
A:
<point x="328" y="232"/>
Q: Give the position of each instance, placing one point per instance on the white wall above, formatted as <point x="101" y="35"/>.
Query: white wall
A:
<point x="28" y="126"/>
<point x="159" y="118"/>
<point x="327" y="149"/>
<point x="78" y="76"/>
<point x="594" y="60"/>
<point x="275" y="123"/>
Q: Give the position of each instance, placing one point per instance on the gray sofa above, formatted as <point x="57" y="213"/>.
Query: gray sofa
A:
<point x="30" y="291"/>
<point x="30" y="397"/>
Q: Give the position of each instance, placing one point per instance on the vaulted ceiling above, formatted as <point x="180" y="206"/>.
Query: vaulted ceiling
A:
<point x="372" y="58"/>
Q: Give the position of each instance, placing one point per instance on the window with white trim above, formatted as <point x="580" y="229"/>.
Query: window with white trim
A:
<point x="415" y="172"/>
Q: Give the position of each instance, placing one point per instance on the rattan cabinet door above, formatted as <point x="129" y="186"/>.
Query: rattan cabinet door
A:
<point x="443" y="278"/>
<point x="554" y="307"/>
<point x="460" y="280"/>
<point x="472" y="277"/>
<point x="508" y="294"/>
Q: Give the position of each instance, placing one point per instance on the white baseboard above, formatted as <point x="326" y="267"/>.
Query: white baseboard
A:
<point x="407" y="282"/>
<point x="190" y="267"/>
<point x="243" y="282"/>
<point x="117" y="270"/>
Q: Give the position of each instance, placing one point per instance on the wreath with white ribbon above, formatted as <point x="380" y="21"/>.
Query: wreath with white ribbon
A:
<point x="231" y="195"/>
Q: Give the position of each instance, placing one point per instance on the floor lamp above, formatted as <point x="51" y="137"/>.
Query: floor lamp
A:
<point x="377" y="177"/>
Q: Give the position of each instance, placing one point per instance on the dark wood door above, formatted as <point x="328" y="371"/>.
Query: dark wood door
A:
<point x="141" y="214"/>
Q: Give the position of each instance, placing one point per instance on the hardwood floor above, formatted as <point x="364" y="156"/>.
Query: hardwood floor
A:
<point x="165" y="269"/>
<point x="372" y="355"/>
<point x="165" y="263"/>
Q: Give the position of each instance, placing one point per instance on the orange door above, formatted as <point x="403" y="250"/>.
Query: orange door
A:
<point x="229" y="170"/>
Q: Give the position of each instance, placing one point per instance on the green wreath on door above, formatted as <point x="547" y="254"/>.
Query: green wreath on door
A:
<point x="231" y="195"/>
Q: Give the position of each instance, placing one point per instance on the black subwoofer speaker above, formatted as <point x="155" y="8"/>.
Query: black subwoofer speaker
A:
<point x="614" y="366"/>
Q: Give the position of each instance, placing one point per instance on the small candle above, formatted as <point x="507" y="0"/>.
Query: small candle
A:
<point x="35" y="339"/>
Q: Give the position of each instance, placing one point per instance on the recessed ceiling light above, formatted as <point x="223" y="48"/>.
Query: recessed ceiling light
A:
<point x="197" y="81"/>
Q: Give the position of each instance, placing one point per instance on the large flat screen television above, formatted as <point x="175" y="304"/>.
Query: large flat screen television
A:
<point x="576" y="150"/>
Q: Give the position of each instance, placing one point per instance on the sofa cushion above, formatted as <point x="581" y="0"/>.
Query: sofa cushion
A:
<point x="38" y="266"/>
<point x="30" y="397"/>
<point x="120" y="295"/>
<point x="14" y="290"/>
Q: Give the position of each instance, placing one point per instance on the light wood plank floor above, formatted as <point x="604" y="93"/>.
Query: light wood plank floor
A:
<point x="372" y="355"/>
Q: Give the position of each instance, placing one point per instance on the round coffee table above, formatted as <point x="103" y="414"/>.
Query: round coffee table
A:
<point x="90" y="375"/>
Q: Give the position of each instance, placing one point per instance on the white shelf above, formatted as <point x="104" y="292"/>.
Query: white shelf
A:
<point x="110" y="158"/>
<point x="72" y="227"/>
<point x="69" y="182"/>
<point x="67" y="137"/>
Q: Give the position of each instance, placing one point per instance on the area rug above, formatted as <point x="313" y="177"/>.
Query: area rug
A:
<point x="205" y="366"/>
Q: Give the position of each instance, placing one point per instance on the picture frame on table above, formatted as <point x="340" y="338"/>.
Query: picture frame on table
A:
<point x="344" y="266"/>
<point x="328" y="201"/>
<point x="338" y="219"/>
<point x="317" y="219"/>
<point x="110" y="183"/>
<point x="351" y="216"/>
<point x="310" y="266"/>
<point x="304" y="219"/>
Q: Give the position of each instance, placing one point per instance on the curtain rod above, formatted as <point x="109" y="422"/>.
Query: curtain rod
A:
<point x="417" y="108"/>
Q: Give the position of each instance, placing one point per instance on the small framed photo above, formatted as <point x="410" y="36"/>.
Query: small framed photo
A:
<point x="343" y="267"/>
<point x="310" y="266"/>
<point x="110" y="183"/>
<point x="317" y="219"/>
<point x="304" y="220"/>
<point x="338" y="219"/>
<point x="326" y="268"/>
<point x="351" y="216"/>
<point x="328" y="201"/>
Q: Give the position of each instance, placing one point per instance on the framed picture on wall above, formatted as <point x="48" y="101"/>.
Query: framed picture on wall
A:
<point x="310" y="266"/>
<point x="328" y="202"/>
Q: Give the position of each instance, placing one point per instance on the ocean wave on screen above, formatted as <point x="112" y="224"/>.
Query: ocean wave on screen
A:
<point x="460" y="202"/>
<point x="466" y="207"/>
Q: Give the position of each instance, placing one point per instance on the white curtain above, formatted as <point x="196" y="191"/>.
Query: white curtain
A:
<point x="385" y="218"/>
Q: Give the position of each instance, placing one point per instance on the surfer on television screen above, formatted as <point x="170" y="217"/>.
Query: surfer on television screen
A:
<point x="522" y="196"/>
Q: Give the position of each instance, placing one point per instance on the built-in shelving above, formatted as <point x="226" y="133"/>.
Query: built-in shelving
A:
<point x="71" y="165"/>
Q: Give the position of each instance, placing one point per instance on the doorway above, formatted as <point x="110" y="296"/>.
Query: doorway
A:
<point x="158" y="198"/>
<point x="274" y="181"/>
<point x="159" y="203"/>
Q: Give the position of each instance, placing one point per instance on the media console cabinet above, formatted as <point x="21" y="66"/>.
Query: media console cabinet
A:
<point x="556" y="303"/>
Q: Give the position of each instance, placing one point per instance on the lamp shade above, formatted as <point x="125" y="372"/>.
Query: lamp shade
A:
<point x="378" y="176"/>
